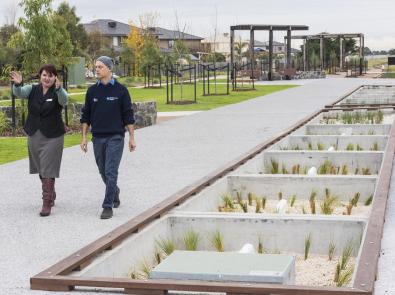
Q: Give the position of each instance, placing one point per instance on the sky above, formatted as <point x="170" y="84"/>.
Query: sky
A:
<point x="374" y="18"/>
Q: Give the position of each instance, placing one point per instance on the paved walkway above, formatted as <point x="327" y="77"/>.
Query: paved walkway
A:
<point x="169" y="156"/>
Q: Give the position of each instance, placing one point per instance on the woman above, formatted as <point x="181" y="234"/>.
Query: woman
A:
<point x="45" y="128"/>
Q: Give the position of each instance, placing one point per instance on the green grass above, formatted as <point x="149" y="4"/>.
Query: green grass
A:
<point x="5" y="103"/>
<point x="375" y="62"/>
<point x="15" y="148"/>
<point x="203" y="102"/>
<point x="388" y="75"/>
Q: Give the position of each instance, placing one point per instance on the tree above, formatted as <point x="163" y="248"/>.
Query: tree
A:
<point x="367" y="51"/>
<point x="239" y="53"/>
<point x="127" y="57"/>
<point x="391" y="52"/>
<point x="78" y="35"/>
<point x="6" y="32"/>
<point x="135" y="43"/>
<point x="63" y="50"/>
<point x="142" y="46"/>
<point x="331" y="50"/>
<point x="150" y="54"/>
<point x="98" y="45"/>
<point x="44" y="38"/>
<point x="214" y="57"/>
<point x="180" y="51"/>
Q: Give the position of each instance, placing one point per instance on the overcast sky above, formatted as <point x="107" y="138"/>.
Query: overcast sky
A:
<point x="374" y="18"/>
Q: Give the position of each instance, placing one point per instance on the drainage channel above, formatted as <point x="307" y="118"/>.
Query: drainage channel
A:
<point x="300" y="214"/>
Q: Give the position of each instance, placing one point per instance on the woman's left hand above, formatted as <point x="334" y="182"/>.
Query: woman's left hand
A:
<point x="57" y="83"/>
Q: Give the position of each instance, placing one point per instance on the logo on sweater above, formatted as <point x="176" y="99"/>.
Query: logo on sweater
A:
<point x="112" y="98"/>
<point x="95" y="100"/>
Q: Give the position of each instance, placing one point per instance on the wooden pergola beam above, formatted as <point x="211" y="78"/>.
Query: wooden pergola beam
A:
<point x="270" y="28"/>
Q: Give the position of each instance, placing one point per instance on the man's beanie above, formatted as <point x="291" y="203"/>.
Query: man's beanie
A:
<point x="107" y="61"/>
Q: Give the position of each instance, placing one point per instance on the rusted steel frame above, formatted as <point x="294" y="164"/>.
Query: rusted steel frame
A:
<point x="67" y="283"/>
<point x="367" y="270"/>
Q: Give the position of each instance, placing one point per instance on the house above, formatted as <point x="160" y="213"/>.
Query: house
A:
<point x="168" y="37"/>
<point x="110" y="29"/>
<point x="264" y="46"/>
<point x="116" y="32"/>
<point x="219" y="43"/>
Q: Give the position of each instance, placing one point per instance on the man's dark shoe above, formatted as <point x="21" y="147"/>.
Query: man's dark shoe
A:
<point x="106" y="214"/>
<point x="117" y="201"/>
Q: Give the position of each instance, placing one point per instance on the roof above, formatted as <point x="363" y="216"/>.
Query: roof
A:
<point x="107" y="27"/>
<point x="165" y="34"/>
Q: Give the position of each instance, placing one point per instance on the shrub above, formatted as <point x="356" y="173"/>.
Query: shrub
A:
<point x="3" y="123"/>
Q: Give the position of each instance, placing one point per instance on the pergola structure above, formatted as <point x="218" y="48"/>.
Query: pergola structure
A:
<point x="270" y="28"/>
<point x="324" y="36"/>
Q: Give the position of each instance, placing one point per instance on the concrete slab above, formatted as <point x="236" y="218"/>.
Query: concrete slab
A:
<point x="226" y="267"/>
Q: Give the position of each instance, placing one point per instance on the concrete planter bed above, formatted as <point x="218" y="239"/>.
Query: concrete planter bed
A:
<point x="356" y="117"/>
<point x="138" y="253"/>
<point x="370" y="100"/>
<point x="347" y="129"/>
<point x="336" y="163"/>
<point x="254" y="190"/>
<point x="370" y="94"/>
<point x="339" y="143"/>
<point x="306" y="204"/>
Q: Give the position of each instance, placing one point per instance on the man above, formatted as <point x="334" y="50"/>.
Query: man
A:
<point x="108" y="110"/>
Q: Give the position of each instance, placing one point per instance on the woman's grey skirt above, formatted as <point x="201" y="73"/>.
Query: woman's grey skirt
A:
<point x="45" y="154"/>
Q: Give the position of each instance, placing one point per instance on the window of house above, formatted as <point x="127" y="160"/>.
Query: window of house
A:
<point x="171" y="43"/>
<point x="115" y="41"/>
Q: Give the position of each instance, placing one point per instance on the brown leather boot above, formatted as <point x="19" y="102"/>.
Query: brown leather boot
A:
<point x="54" y="193"/>
<point x="48" y="195"/>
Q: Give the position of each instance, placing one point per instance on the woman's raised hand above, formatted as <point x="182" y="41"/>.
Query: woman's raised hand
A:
<point x="16" y="77"/>
<point x="58" y="84"/>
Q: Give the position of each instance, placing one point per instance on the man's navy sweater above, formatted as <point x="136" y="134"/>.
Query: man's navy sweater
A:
<point x="108" y="109"/>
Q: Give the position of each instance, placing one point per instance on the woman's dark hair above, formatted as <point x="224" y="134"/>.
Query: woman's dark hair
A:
<point x="49" y="68"/>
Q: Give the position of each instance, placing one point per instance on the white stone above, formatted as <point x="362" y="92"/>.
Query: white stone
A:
<point x="312" y="171"/>
<point x="247" y="249"/>
<point x="281" y="206"/>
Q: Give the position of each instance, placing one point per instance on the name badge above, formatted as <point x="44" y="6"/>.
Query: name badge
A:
<point x="111" y="98"/>
<point x="49" y="99"/>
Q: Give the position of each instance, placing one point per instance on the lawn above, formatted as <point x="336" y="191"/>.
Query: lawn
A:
<point x="15" y="148"/>
<point x="388" y="75"/>
<point x="377" y="62"/>
<point x="185" y="93"/>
